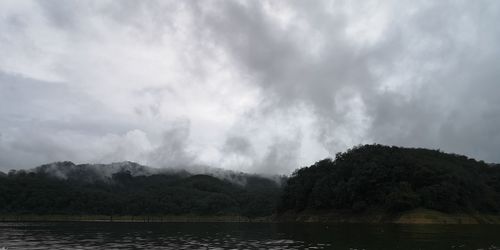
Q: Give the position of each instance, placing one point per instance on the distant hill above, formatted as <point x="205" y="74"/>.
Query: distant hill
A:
<point x="94" y="172"/>
<point x="394" y="180"/>
<point x="104" y="172"/>
<point x="370" y="183"/>
<point x="128" y="188"/>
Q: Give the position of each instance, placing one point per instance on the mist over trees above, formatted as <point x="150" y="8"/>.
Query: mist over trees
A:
<point x="81" y="191"/>
<point x="363" y="179"/>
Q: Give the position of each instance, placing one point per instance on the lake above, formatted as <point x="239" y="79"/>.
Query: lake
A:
<point x="120" y="235"/>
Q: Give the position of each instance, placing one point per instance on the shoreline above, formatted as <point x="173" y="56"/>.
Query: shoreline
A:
<point x="417" y="216"/>
<point x="133" y="219"/>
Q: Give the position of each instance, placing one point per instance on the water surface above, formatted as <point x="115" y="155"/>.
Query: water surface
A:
<point x="105" y="235"/>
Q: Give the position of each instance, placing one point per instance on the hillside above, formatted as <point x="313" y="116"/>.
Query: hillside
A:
<point x="127" y="188"/>
<point x="371" y="183"/>
<point x="393" y="180"/>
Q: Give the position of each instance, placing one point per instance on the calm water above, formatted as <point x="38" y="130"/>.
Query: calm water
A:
<point x="94" y="235"/>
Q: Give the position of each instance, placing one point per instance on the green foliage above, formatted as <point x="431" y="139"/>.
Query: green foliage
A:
<point x="370" y="177"/>
<point x="394" y="179"/>
<point x="124" y="194"/>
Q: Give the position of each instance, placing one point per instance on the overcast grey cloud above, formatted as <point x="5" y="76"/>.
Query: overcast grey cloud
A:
<point x="258" y="86"/>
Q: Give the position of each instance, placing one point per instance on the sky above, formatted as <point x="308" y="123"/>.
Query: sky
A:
<point x="253" y="86"/>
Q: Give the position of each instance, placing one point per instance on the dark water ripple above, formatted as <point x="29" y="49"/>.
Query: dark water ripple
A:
<point x="104" y="235"/>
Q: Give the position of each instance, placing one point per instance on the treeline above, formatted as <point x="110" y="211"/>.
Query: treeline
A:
<point x="43" y="192"/>
<point x="393" y="179"/>
<point x="365" y="178"/>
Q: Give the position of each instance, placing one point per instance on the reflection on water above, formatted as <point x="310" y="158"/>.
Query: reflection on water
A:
<point x="105" y="235"/>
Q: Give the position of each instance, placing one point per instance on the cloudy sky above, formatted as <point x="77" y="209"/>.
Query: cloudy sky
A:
<point x="257" y="86"/>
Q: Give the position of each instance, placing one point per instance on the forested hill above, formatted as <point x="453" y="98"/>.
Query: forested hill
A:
<point x="131" y="189"/>
<point x="364" y="179"/>
<point x="394" y="179"/>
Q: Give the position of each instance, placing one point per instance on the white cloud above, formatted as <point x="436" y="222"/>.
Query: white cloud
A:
<point x="174" y="83"/>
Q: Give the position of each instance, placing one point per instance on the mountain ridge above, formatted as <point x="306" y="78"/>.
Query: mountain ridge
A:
<point x="369" y="183"/>
<point x="104" y="172"/>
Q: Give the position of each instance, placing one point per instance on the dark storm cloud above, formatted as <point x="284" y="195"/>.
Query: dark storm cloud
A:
<point x="270" y="85"/>
<point x="173" y="151"/>
<point x="238" y="145"/>
<point x="47" y="118"/>
<point x="445" y="54"/>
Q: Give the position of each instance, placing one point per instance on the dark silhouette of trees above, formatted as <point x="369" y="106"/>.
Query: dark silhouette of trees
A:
<point x="123" y="194"/>
<point x="394" y="179"/>
<point x="365" y="178"/>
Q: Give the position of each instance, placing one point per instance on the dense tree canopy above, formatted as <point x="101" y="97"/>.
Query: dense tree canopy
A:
<point x="394" y="179"/>
<point x="81" y="192"/>
<point x="365" y="178"/>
